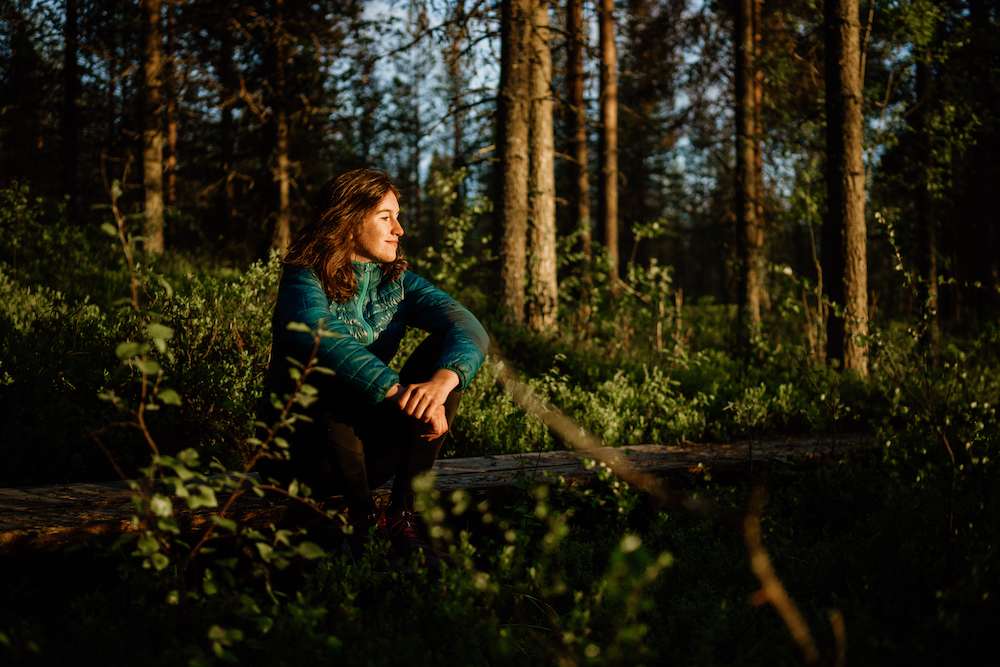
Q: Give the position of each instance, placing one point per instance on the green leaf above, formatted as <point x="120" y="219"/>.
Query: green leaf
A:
<point x="189" y="457"/>
<point x="310" y="550"/>
<point x="159" y="560"/>
<point x="204" y="498"/>
<point x="149" y="367"/>
<point x="160" y="334"/>
<point x="223" y="522"/>
<point x="109" y="229"/>
<point x="167" y="287"/>
<point x="299" y="326"/>
<point x="169" y="526"/>
<point x="169" y="397"/>
<point x="116" y="190"/>
<point x="305" y="400"/>
<point x="265" y="550"/>
<point x="147" y="544"/>
<point x="161" y="506"/>
<point x="130" y="350"/>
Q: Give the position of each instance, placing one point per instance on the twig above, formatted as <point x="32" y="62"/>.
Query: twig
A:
<point x="578" y="438"/>
<point x="772" y="590"/>
<point x="662" y="496"/>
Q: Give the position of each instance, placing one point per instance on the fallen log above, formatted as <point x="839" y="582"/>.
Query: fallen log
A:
<point x="49" y="517"/>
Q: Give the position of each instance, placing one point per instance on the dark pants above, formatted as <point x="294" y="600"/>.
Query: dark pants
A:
<point x="354" y="446"/>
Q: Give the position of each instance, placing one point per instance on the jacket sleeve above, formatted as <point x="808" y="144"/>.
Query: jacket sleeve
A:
<point x="301" y="299"/>
<point x="430" y="309"/>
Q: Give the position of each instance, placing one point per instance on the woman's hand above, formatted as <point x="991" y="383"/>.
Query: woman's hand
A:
<point x="424" y="400"/>
<point x="437" y="425"/>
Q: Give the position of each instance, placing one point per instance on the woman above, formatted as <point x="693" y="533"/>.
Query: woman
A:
<point x="344" y="271"/>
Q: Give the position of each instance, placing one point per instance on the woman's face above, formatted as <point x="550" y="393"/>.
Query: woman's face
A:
<point x="378" y="239"/>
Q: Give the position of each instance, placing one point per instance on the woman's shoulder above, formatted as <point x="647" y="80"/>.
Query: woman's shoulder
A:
<point x="297" y="273"/>
<point x="411" y="280"/>
<point x="300" y="278"/>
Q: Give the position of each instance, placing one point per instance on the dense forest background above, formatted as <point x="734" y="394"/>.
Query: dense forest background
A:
<point x="681" y="221"/>
<point x="222" y="119"/>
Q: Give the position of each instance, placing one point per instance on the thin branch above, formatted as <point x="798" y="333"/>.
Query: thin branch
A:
<point x="772" y="590"/>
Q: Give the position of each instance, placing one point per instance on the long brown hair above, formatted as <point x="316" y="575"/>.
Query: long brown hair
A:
<point x="325" y="244"/>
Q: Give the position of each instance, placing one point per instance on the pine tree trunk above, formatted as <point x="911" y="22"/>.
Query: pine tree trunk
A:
<point x="458" y="36"/>
<point x="609" y="137"/>
<point x="283" y="226"/>
<point x="758" y="155"/>
<point x="747" y="228"/>
<point x="152" y="134"/>
<point x="845" y="265"/>
<point x="227" y="129"/>
<point x="544" y="304"/>
<point x="576" y="121"/>
<point x="928" y="292"/>
<point x="71" y="92"/>
<point x="170" y="82"/>
<point x="513" y="103"/>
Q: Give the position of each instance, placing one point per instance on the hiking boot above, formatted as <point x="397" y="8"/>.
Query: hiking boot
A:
<point x="403" y="525"/>
<point x="367" y="534"/>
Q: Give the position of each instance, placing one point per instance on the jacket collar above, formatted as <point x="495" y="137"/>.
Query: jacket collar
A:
<point x="369" y="273"/>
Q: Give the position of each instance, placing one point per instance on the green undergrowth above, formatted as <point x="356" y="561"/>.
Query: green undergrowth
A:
<point x="152" y="368"/>
<point x="552" y="575"/>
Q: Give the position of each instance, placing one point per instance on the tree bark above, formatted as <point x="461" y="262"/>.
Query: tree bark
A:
<point x="513" y="104"/>
<point x="457" y="35"/>
<point x="282" y="174"/>
<point x="748" y="233"/>
<point x="170" y="82"/>
<point x="544" y="304"/>
<point x="71" y="92"/>
<point x="928" y="292"/>
<point x="227" y="128"/>
<point x="152" y="133"/>
<point x="609" y="137"/>
<point x="845" y="265"/>
<point x="576" y="117"/>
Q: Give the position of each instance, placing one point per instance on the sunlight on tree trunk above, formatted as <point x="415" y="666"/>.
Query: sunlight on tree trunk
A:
<point x="577" y="121"/>
<point x="748" y="231"/>
<point x="170" y="82"/>
<point x="845" y="241"/>
<point x="609" y="137"/>
<point x="514" y="108"/>
<point x="544" y="304"/>
<point x="152" y="134"/>
<point x="283" y="224"/>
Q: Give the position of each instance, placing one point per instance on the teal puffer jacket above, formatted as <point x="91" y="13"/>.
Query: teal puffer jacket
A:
<point x="368" y="328"/>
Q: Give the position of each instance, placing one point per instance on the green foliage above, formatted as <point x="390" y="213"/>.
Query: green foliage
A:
<point x="901" y="541"/>
<point x="43" y="247"/>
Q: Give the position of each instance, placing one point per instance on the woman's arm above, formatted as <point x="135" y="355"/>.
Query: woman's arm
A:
<point x="301" y="299"/>
<point x="466" y="341"/>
